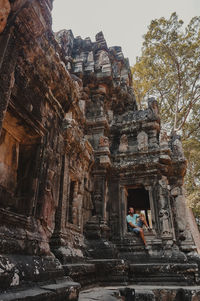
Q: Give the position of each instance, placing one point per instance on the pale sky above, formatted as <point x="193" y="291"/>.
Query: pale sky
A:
<point x="122" y="22"/>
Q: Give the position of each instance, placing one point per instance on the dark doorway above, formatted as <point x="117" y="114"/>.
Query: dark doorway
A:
<point x="19" y="152"/>
<point x="26" y="174"/>
<point x="138" y="198"/>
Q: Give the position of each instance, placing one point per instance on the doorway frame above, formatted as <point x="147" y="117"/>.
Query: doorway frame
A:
<point x="123" y="206"/>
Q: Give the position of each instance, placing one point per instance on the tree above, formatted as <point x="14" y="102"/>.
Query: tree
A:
<point x="169" y="69"/>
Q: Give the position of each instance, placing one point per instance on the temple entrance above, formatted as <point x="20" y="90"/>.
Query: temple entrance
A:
<point x="138" y="198"/>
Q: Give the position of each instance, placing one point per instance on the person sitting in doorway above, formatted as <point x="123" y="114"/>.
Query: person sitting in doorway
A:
<point x="135" y="223"/>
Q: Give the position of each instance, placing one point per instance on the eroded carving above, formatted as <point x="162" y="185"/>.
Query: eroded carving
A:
<point x="142" y="139"/>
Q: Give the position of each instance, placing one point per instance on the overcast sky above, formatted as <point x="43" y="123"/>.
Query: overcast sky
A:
<point x="123" y="22"/>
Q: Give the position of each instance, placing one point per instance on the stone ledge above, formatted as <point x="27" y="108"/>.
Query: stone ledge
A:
<point x="173" y="273"/>
<point x="81" y="272"/>
<point x="142" y="293"/>
<point x="62" y="290"/>
<point x="25" y="295"/>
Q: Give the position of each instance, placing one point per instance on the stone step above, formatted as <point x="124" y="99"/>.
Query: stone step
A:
<point x="112" y="294"/>
<point x="102" y="271"/>
<point x="111" y="271"/>
<point x="118" y="271"/>
<point x="85" y="273"/>
<point x="141" y="293"/>
<point x="62" y="290"/>
<point x="171" y="273"/>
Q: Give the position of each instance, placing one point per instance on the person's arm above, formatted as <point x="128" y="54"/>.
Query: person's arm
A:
<point x="130" y="222"/>
<point x="145" y="223"/>
<point x="133" y="225"/>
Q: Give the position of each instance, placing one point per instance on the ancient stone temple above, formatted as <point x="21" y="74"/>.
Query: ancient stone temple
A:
<point x="75" y="153"/>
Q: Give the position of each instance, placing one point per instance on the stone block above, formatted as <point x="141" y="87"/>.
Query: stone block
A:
<point x="105" y="160"/>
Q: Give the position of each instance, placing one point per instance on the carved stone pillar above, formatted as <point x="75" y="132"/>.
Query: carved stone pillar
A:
<point x="181" y="217"/>
<point x="99" y="194"/>
<point x="164" y="210"/>
<point x="8" y="58"/>
<point x="122" y="211"/>
<point x="75" y="205"/>
<point x="61" y="211"/>
<point x="152" y="206"/>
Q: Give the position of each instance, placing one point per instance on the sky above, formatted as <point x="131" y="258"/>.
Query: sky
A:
<point x="123" y="22"/>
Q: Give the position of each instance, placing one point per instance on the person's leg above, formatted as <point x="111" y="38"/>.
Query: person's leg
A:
<point x="140" y="224"/>
<point x="136" y="230"/>
<point x="130" y="229"/>
<point x="145" y="223"/>
<point x="140" y="230"/>
<point x="141" y="233"/>
<point x="142" y="236"/>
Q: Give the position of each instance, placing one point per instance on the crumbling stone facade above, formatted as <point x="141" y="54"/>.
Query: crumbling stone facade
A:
<point x="75" y="152"/>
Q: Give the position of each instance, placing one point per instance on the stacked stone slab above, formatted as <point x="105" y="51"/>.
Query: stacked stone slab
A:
<point x="73" y="147"/>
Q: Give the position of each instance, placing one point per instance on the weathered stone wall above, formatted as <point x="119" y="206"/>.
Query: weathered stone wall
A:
<point x="32" y="145"/>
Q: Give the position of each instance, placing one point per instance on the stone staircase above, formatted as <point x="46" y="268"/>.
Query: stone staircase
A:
<point x="135" y="265"/>
<point x="98" y="272"/>
<point x="106" y="272"/>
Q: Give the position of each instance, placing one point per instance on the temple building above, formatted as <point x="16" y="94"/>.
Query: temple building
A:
<point x="75" y="154"/>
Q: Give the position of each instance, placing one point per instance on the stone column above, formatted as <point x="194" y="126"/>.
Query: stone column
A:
<point x="152" y="206"/>
<point x="99" y="193"/>
<point x="60" y="216"/>
<point x="75" y="205"/>
<point x="181" y="216"/>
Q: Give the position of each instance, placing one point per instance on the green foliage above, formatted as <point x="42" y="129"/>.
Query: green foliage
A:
<point x="169" y="69"/>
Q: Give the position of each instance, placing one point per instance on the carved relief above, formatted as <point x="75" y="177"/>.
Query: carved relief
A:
<point x="103" y="141"/>
<point x="142" y="139"/>
<point x="74" y="215"/>
<point x="163" y="192"/>
<point x="164" y="139"/>
<point x="103" y="58"/>
<point x="177" y="147"/>
<point x="98" y="204"/>
<point x="123" y="147"/>
<point x="49" y="202"/>
<point x="164" y="217"/>
<point x="90" y="57"/>
<point x="153" y="106"/>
